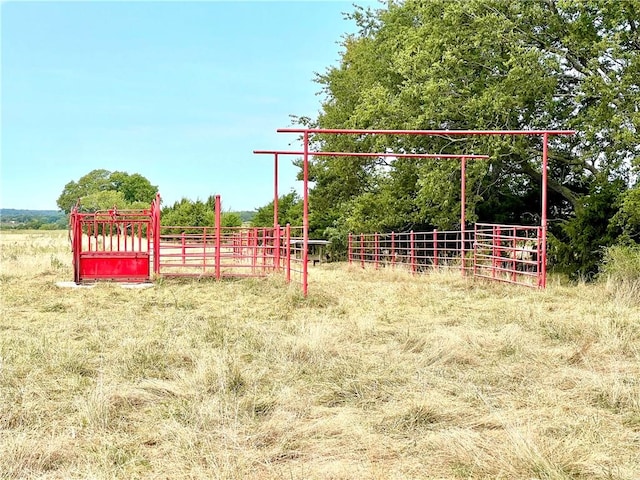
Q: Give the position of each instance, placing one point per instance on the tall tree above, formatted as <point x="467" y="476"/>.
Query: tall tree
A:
<point x="98" y="188"/>
<point x="482" y="64"/>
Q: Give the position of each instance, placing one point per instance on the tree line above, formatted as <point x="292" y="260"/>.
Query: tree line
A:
<point x="486" y="64"/>
<point x="102" y="189"/>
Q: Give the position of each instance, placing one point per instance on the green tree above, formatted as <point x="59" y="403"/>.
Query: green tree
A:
<point x="627" y="218"/>
<point x="103" y="200"/>
<point x="230" y="219"/>
<point x="289" y="211"/>
<point x="481" y="64"/>
<point x="100" y="186"/>
<point x="189" y="213"/>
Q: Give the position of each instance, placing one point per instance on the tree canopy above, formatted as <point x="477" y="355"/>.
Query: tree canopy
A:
<point x="101" y="189"/>
<point x="289" y="211"/>
<point x="185" y="213"/>
<point x="486" y="64"/>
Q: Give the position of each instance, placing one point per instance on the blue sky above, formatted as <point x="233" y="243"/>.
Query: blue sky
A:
<point x="181" y="93"/>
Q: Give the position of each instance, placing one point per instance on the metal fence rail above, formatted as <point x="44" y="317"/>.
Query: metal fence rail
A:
<point x="231" y="251"/>
<point x="508" y="253"/>
<point x="416" y="251"/>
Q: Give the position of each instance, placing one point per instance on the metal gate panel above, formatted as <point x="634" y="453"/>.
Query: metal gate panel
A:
<point x="112" y="245"/>
<point x="508" y="253"/>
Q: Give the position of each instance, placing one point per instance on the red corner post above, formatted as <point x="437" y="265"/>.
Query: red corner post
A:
<point x="463" y="207"/>
<point x="156" y="234"/>
<point x="305" y="218"/>
<point x="218" y="234"/>
<point x="275" y="191"/>
<point x="543" y="220"/>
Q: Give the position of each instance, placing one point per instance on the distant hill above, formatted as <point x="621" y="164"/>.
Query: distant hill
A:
<point x="32" y="219"/>
<point x="13" y="212"/>
<point x="56" y="219"/>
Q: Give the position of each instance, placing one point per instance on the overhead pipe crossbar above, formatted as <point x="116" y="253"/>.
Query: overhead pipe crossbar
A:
<point x="276" y="153"/>
<point x="333" y="131"/>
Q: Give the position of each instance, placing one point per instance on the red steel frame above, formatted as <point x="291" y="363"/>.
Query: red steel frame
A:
<point x="306" y="153"/>
<point x="126" y="245"/>
<point x="115" y="245"/>
<point x="305" y="139"/>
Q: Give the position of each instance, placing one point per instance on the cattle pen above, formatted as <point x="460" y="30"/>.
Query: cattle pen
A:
<point x="134" y="246"/>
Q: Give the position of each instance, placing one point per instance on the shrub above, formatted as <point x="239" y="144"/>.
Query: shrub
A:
<point x="620" y="270"/>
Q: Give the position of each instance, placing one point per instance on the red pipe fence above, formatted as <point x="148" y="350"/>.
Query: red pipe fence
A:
<point x="506" y="253"/>
<point x="126" y="246"/>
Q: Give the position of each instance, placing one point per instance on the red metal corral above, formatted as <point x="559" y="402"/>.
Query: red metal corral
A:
<point x="417" y="251"/>
<point x="220" y="252"/>
<point x="507" y="253"/>
<point x="128" y="245"/>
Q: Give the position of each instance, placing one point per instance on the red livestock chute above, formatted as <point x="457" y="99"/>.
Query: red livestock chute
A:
<point x="113" y="245"/>
<point x="127" y="245"/>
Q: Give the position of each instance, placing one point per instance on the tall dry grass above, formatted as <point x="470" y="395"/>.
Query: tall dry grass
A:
<point x="376" y="375"/>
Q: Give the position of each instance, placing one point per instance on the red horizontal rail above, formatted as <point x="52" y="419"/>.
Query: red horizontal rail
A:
<point x="373" y="154"/>
<point x="424" y="132"/>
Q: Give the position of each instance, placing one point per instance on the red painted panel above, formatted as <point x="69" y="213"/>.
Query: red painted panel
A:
<point x="115" y="266"/>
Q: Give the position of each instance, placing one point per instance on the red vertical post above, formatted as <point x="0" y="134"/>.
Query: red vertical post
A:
<point x="254" y="257"/>
<point x="276" y="259"/>
<point x="111" y="237"/>
<point x="435" y="247"/>
<point x="77" y="244"/>
<point x="475" y="249"/>
<point x="305" y="216"/>
<point x="349" y="248"/>
<point x="287" y="236"/>
<point x="204" y="250"/>
<point x="514" y="255"/>
<point x="463" y="208"/>
<point x="362" y="250"/>
<point x="264" y="248"/>
<point x="184" y="248"/>
<point x="413" y="252"/>
<point x="493" y="252"/>
<point x="393" y="248"/>
<point x="218" y="234"/>
<point x="539" y="257"/>
<point x="376" y="249"/>
<point x="275" y="190"/>
<point x="156" y="235"/>
<point x="543" y="216"/>
<point x="499" y="249"/>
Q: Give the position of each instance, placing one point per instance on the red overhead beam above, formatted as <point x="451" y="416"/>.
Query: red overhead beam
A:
<point x="372" y="154"/>
<point x="424" y="132"/>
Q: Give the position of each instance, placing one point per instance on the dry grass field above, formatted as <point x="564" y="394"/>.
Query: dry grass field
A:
<point x="376" y="375"/>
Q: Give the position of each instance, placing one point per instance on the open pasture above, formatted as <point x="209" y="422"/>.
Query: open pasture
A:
<point x="376" y="375"/>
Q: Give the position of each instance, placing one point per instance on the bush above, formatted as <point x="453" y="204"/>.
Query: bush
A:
<point x="620" y="270"/>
